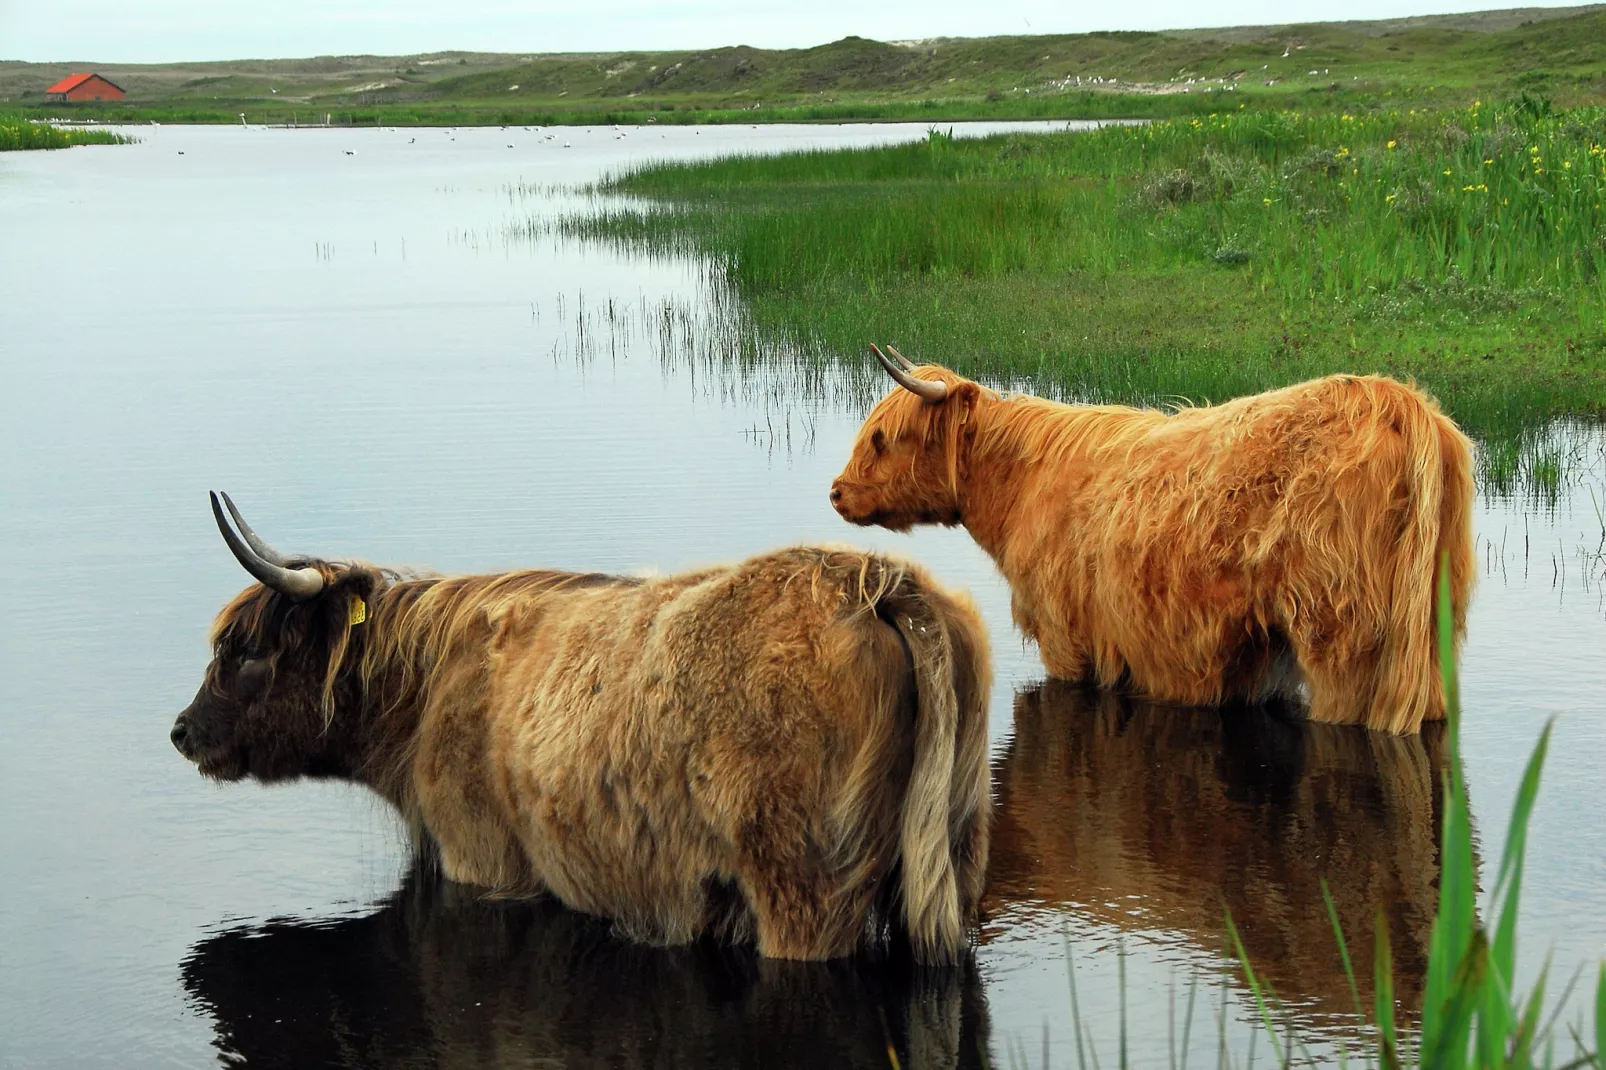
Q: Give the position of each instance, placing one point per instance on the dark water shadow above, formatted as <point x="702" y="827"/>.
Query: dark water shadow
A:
<point x="442" y="977"/>
<point x="1158" y="819"/>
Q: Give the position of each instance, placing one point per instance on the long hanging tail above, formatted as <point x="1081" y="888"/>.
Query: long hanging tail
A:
<point x="1439" y="476"/>
<point x="943" y="838"/>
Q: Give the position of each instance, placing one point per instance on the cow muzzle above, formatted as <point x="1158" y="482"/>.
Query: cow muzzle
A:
<point x="841" y="503"/>
<point x="182" y="736"/>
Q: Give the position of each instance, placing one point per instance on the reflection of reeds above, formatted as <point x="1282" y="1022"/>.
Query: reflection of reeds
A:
<point x="1146" y="816"/>
<point x="441" y="977"/>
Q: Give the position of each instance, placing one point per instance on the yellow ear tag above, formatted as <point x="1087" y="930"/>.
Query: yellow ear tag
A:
<point x="358" y="611"/>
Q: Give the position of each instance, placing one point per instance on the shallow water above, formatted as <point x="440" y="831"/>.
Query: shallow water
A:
<point x="369" y="353"/>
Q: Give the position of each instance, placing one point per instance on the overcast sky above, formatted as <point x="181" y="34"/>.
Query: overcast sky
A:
<point x="154" y="31"/>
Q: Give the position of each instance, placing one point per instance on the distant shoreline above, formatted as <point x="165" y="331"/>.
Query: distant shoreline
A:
<point x="1427" y="61"/>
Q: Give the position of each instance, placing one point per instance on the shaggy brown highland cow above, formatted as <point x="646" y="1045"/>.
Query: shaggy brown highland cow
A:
<point x="1230" y="551"/>
<point x="791" y="750"/>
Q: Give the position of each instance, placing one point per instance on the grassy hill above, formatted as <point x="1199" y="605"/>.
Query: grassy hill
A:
<point x="1559" y="52"/>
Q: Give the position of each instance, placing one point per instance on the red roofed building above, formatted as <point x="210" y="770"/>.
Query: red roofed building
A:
<point x="83" y="87"/>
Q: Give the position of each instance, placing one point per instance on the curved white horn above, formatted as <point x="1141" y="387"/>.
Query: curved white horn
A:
<point x="297" y="583"/>
<point x="929" y="390"/>
<point x="900" y="358"/>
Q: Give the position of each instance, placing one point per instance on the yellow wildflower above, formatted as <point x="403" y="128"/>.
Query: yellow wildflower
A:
<point x="1393" y="143"/>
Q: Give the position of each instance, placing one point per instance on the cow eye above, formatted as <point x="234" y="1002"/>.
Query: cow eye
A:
<point x="878" y="441"/>
<point x="252" y="674"/>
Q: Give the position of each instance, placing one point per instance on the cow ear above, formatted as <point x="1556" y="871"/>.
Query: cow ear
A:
<point x="360" y="580"/>
<point x="964" y="395"/>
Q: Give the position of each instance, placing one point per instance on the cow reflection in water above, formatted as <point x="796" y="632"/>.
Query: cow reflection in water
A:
<point x="441" y="976"/>
<point x="1152" y="817"/>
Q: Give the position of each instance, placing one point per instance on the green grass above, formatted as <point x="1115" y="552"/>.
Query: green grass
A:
<point x="1202" y="257"/>
<point x="672" y="112"/>
<point x="16" y="133"/>
<point x="1432" y="60"/>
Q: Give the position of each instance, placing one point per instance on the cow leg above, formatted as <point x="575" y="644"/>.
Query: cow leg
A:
<point x="1067" y="658"/>
<point x="797" y="916"/>
<point x="1340" y="687"/>
<point x="970" y="865"/>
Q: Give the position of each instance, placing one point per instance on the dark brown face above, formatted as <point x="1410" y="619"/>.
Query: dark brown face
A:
<point x="259" y="711"/>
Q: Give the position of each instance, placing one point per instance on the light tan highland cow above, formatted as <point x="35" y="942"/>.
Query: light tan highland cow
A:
<point x="1229" y="551"/>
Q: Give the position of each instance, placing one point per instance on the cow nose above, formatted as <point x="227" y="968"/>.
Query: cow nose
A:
<point x="179" y="734"/>
<point x="836" y="495"/>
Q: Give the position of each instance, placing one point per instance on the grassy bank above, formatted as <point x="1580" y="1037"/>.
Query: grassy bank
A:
<point x="1205" y="257"/>
<point x="682" y="112"/>
<point x="16" y="132"/>
<point x="1434" y="60"/>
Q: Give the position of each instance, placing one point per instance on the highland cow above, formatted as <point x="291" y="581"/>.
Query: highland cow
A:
<point x="789" y="751"/>
<point x="1285" y="544"/>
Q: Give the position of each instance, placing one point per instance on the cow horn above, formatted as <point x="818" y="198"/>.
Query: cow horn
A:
<point x="900" y="358"/>
<point x="262" y="549"/>
<point x="299" y="584"/>
<point x="929" y="390"/>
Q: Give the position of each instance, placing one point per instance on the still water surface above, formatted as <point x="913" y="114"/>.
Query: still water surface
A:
<point x="352" y="332"/>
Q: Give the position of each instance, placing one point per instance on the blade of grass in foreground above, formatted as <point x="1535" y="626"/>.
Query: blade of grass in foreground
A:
<point x="1254" y="987"/>
<point x="1600" y="1018"/>
<point x="1501" y="1034"/>
<point x="1343" y="954"/>
<point x="1388" y="1040"/>
<point x="1076" y="1010"/>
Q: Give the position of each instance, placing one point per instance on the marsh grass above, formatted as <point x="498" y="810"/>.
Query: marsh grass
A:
<point x="1488" y="209"/>
<point x="1200" y="257"/>
<point x="17" y="132"/>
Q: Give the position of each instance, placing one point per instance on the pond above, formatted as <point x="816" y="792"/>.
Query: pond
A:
<point x="363" y="336"/>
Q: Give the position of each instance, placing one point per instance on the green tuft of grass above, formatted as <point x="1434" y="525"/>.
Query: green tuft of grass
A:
<point x="18" y="133"/>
